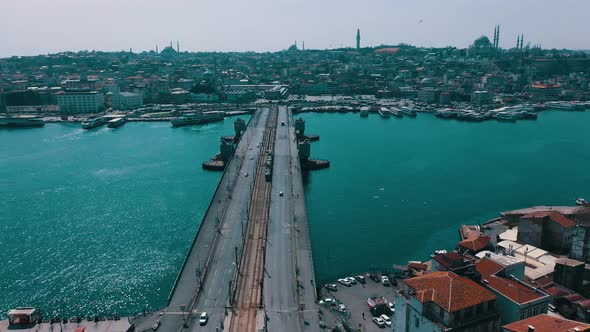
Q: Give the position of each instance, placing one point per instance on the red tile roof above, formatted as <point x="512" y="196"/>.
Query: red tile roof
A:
<point x="475" y="244"/>
<point x="511" y="289"/>
<point x="546" y="323"/>
<point x="418" y="266"/>
<point x="448" y="290"/>
<point x="555" y="216"/>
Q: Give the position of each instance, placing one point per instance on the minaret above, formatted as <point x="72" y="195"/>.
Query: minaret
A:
<point x="358" y="39"/>
<point x="498" y="37"/>
<point x="156" y="48"/>
<point x="177" y="46"/>
<point x="495" y="36"/>
<point x="303" y="46"/>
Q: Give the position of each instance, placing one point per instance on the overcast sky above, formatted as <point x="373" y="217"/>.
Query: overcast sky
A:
<point x="29" y="27"/>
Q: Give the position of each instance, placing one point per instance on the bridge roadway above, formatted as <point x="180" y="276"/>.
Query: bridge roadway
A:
<point x="204" y="280"/>
<point x="289" y="283"/>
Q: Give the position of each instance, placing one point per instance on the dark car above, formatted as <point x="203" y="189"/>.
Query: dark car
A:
<point x="374" y="277"/>
<point x="360" y="279"/>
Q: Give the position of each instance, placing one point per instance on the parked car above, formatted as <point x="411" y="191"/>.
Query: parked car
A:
<point x="374" y="277"/>
<point x="203" y="319"/>
<point x="360" y="279"/>
<point x="351" y="280"/>
<point x="156" y="325"/>
<point x="386" y="319"/>
<point x="379" y="322"/>
<point x="342" y="307"/>
<point x="331" y="287"/>
<point x="344" y="282"/>
<point x="385" y="280"/>
<point x="281" y="193"/>
<point x="391" y="306"/>
<point x="328" y="302"/>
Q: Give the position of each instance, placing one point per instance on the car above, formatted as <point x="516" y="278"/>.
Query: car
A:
<point x="251" y="157"/>
<point x="360" y="279"/>
<point x="249" y="148"/>
<point x="374" y="277"/>
<point x="328" y="302"/>
<point x="351" y="280"/>
<point x="156" y="325"/>
<point x="386" y="319"/>
<point x="203" y="319"/>
<point x="331" y="287"/>
<point x="379" y="322"/>
<point x="342" y="308"/>
<point x="283" y="123"/>
<point x="246" y="174"/>
<point x="281" y="193"/>
<point x="385" y="280"/>
<point x="344" y="282"/>
<point x="391" y="306"/>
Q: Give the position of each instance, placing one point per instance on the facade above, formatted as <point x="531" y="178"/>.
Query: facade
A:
<point x="81" y="102"/>
<point x="428" y="95"/>
<point x="548" y="230"/>
<point x="444" y="301"/>
<point x="545" y="92"/>
<point x="129" y="101"/>
<point x="481" y="98"/>
<point x="569" y="273"/>
<point x="515" y="299"/>
<point x="546" y="323"/>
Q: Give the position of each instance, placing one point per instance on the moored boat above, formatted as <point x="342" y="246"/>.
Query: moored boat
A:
<point x="94" y="122"/>
<point x="198" y="117"/>
<point x="115" y="123"/>
<point x="21" y="121"/>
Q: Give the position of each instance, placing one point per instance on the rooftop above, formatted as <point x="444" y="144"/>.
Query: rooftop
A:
<point x="555" y="216"/>
<point x="546" y="323"/>
<point x="448" y="290"/>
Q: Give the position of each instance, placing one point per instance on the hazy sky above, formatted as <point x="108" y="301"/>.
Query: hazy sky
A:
<point x="29" y="27"/>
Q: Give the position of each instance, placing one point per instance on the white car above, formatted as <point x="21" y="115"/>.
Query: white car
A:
<point x="344" y="282"/>
<point x="386" y="319"/>
<point x="281" y="193"/>
<point x="342" y="307"/>
<point x="385" y="280"/>
<point x="203" y="319"/>
<point x="351" y="280"/>
<point x="246" y="174"/>
<point x="379" y="321"/>
<point x="391" y="306"/>
<point x="328" y="302"/>
<point x="156" y="325"/>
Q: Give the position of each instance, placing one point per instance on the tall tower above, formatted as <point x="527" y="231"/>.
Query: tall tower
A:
<point x="495" y="36"/>
<point x="358" y="39"/>
<point x="498" y="37"/>
<point x="177" y="46"/>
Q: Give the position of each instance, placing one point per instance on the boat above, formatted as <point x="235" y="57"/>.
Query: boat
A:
<point x="505" y="116"/>
<point x="446" y="113"/>
<point x="529" y="115"/>
<point x="117" y="122"/>
<point x="582" y="202"/>
<point x="408" y="111"/>
<point x="198" y="117"/>
<point x="396" y="112"/>
<point x="561" y="106"/>
<point x="364" y="112"/>
<point x="21" y="121"/>
<point x="384" y="112"/>
<point x="93" y="122"/>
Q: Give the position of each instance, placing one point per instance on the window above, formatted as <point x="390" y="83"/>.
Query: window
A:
<point x="417" y="322"/>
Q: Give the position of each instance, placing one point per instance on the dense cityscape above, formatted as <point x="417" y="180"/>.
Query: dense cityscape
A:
<point x="523" y="271"/>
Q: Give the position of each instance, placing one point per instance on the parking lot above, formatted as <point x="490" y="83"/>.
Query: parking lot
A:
<point x="355" y="300"/>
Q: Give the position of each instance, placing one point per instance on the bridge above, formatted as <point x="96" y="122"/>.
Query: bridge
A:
<point x="250" y="264"/>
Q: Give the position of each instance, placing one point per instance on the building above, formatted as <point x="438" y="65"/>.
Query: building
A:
<point x="80" y="102"/>
<point x="545" y="91"/>
<point x="515" y="299"/>
<point x="444" y="301"/>
<point x="428" y="95"/>
<point x="549" y="230"/>
<point x="569" y="273"/>
<point x="546" y="323"/>
<point x="129" y="101"/>
<point x="453" y="262"/>
<point x="481" y="97"/>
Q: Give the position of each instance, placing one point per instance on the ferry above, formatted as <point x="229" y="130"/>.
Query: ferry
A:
<point x="446" y="113"/>
<point x="505" y="116"/>
<point x="396" y="112"/>
<point x="408" y="111"/>
<point x="21" y="121"/>
<point x="198" y="117"/>
<point x="115" y="123"/>
<point x="364" y="112"/>
<point x="384" y="112"/>
<point x="94" y="122"/>
<point x="563" y="106"/>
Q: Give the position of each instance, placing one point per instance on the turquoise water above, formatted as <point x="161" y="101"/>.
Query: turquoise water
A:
<point x="398" y="189"/>
<point x="99" y="221"/>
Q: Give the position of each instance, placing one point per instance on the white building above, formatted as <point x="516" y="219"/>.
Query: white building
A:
<point x="81" y="102"/>
<point x="129" y="101"/>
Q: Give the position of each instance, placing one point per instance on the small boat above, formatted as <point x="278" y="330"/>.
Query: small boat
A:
<point x="396" y="112"/>
<point x="364" y="112"/>
<point x="384" y="113"/>
<point x="505" y="116"/>
<point x="408" y="111"/>
<point x="582" y="202"/>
